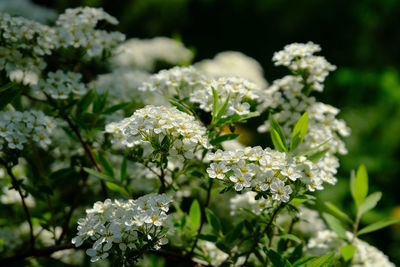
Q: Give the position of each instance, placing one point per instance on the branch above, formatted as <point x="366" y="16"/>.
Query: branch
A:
<point x="258" y="237"/>
<point x="26" y="210"/>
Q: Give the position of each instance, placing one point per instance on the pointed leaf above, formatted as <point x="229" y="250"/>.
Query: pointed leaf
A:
<point x="369" y="203"/>
<point x="99" y="175"/>
<point x="299" y="132"/>
<point x="378" y="225"/>
<point x="335" y="225"/>
<point x="278" y="138"/>
<point x="213" y="221"/>
<point x="194" y="214"/>
<point x="106" y="165"/>
<point x="359" y="185"/>
<point x="302" y="261"/>
<point x="276" y="259"/>
<point x="311" y="150"/>
<point x="117" y="188"/>
<point x="317" y="156"/>
<point x="222" y="110"/>
<point x="224" y="138"/>
<point x="324" y="261"/>
<point x="347" y="252"/>
<point x="338" y="213"/>
<point x="215" y="103"/>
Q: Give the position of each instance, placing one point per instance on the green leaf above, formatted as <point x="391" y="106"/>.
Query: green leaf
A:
<point x="85" y="102"/>
<point x="224" y="138"/>
<point x="215" y="103"/>
<point x="277" y="136"/>
<point x="359" y="185"/>
<point x="317" y="156"/>
<point x="117" y="188"/>
<point x="235" y="233"/>
<point x="299" y="132"/>
<point x="98" y="175"/>
<point x="291" y="237"/>
<point x="6" y="86"/>
<point x="115" y="108"/>
<point x="222" y="109"/>
<point x="179" y="106"/>
<point x="369" y="203"/>
<point x="302" y="261"/>
<point x="106" y="165"/>
<point x="214" y="221"/>
<point x="298" y="200"/>
<point x="8" y="95"/>
<point x="347" y="252"/>
<point x="124" y="167"/>
<point x="311" y="150"/>
<point x="195" y="214"/>
<point x="338" y="213"/>
<point x="324" y="261"/>
<point x="276" y="259"/>
<point x="237" y="118"/>
<point x="378" y="225"/>
<point x="335" y="225"/>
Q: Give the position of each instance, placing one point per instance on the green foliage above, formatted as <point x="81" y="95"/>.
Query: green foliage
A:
<point x="195" y="214"/>
<point x="299" y="131"/>
<point x="277" y="136"/>
<point x="359" y="185"/>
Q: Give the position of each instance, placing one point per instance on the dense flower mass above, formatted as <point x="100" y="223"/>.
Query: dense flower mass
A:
<point x="265" y="170"/>
<point x="327" y="241"/>
<point x="77" y="28"/>
<point x="127" y="224"/>
<point x="17" y="128"/>
<point x="59" y="85"/>
<point x="300" y="59"/>
<point x="144" y="54"/>
<point x="153" y="124"/>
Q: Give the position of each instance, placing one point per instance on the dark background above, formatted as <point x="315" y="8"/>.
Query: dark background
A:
<point x="362" y="38"/>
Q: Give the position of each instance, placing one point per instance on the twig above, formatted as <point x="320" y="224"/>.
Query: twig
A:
<point x="253" y="247"/>
<point x="26" y="210"/>
<point x="202" y="218"/>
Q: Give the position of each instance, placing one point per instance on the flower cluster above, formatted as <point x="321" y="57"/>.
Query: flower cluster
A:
<point x="77" y="28"/>
<point x="265" y="169"/>
<point x="233" y="63"/>
<point x="152" y="124"/>
<point x="327" y="241"/>
<point x="299" y="59"/>
<point x="60" y="84"/>
<point x="145" y="54"/>
<point x="129" y="224"/>
<point x="177" y="82"/>
<point x="22" y="44"/>
<point x="324" y="129"/>
<point x="16" y="128"/>
<point x="239" y="91"/>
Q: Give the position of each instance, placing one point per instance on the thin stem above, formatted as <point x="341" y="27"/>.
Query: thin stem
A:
<point x="292" y="223"/>
<point x="26" y="210"/>
<point x="267" y="227"/>
<point x="202" y="218"/>
<point x="355" y="227"/>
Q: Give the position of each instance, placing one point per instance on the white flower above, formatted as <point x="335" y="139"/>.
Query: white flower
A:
<point x="217" y="170"/>
<point x="280" y="191"/>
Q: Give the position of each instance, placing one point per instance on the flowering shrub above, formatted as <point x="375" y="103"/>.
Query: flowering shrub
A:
<point x="88" y="118"/>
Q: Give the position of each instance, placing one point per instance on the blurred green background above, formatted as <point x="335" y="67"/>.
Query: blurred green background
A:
<point x="361" y="38"/>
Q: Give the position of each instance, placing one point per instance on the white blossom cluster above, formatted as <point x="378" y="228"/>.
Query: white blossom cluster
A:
<point x="177" y="82"/>
<point x="247" y="200"/>
<point x="120" y="223"/>
<point x="60" y="84"/>
<point x="154" y="123"/>
<point x="327" y="241"/>
<point x="77" y="28"/>
<point x="233" y="63"/>
<point x="239" y="91"/>
<point x="265" y="170"/>
<point x="8" y="240"/>
<point x="22" y="44"/>
<point x="17" y="128"/>
<point x="143" y="54"/>
<point x="323" y="126"/>
<point x="29" y="10"/>
<point x="300" y="59"/>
